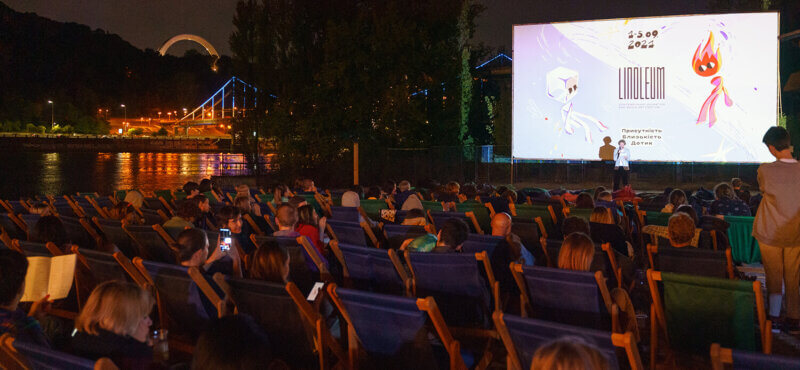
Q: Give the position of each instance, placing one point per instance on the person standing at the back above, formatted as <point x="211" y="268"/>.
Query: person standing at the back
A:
<point x="777" y="229"/>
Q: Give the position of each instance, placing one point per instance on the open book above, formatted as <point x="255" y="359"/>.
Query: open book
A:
<point x="49" y="275"/>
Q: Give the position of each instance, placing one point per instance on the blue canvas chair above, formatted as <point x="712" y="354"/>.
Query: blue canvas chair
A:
<point x="80" y="232"/>
<point x="397" y="234"/>
<point x="15" y="227"/>
<point x="691" y="312"/>
<point x="463" y="283"/>
<point x="36" y="249"/>
<point x="152" y="217"/>
<point x="30" y="221"/>
<point x="571" y="297"/>
<point x="150" y="242"/>
<point x="352" y="233"/>
<point x="372" y="269"/>
<point x="283" y="312"/>
<point x="468" y="217"/>
<point x="114" y="232"/>
<point x="370" y="316"/>
<point x="746" y="360"/>
<point x="14" y="206"/>
<point x="20" y="355"/>
<point x="692" y="261"/>
<point x="99" y="267"/>
<point x="523" y="336"/>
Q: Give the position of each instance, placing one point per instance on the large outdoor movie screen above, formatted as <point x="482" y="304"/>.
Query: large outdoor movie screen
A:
<point x="701" y="88"/>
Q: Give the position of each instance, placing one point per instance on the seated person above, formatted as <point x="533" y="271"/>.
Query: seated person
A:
<point x="584" y="200"/>
<point x="501" y="226"/>
<point x="415" y="217"/>
<point x="604" y="230"/>
<point x="311" y="226"/>
<point x="125" y="212"/>
<point x="185" y="216"/>
<point x="270" y="263"/>
<point x="309" y="187"/>
<point x="656" y="231"/>
<point x="205" y="186"/>
<point x="726" y="202"/>
<point x="23" y="326"/>
<point x="286" y="218"/>
<point x="449" y="195"/>
<point x="206" y="219"/>
<point x="574" y="224"/>
<point x="191" y="247"/>
<point x="468" y="192"/>
<point x="230" y="218"/>
<point x="577" y="252"/>
<point x="191" y="189"/>
<point x="599" y="190"/>
<point x="51" y="229"/>
<point x="234" y="342"/>
<point x="677" y="198"/>
<point x="451" y="238"/>
<point x="135" y="198"/>
<point x="569" y="353"/>
<point x="388" y="190"/>
<point x="373" y="192"/>
<point x="247" y="206"/>
<point x="115" y="323"/>
<point x="351" y="199"/>
<point x="681" y="230"/>
<point x="280" y="194"/>
<point x="741" y="190"/>
<point x="403" y="192"/>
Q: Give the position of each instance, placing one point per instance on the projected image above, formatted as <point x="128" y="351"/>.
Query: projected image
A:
<point x="683" y="88"/>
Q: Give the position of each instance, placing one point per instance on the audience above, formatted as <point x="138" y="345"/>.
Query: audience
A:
<point x="403" y="192"/>
<point x="185" y="216"/>
<point x="677" y="198"/>
<point x="308" y="186"/>
<point x="681" y="230"/>
<point x="24" y="327"/>
<point x="270" y="263"/>
<point x="115" y="323"/>
<point x="205" y="186"/>
<point x="311" y="226"/>
<point x="574" y="224"/>
<point x="451" y="238"/>
<point x="191" y="247"/>
<point x="230" y="218"/>
<point x="41" y="209"/>
<point x="415" y="217"/>
<point x="125" y="211"/>
<point x="205" y="220"/>
<point x="501" y="226"/>
<point x="726" y="202"/>
<point x="286" y="218"/>
<point x="51" y="229"/>
<point x="584" y="200"/>
<point x="135" y="198"/>
<point x="388" y="190"/>
<point x="234" y="343"/>
<point x="577" y="252"/>
<point x="604" y="230"/>
<point x="569" y="353"/>
<point x="776" y="228"/>
<point x="191" y="189"/>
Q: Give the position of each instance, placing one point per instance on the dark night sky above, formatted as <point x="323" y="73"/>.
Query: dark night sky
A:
<point x="148" y="23"/>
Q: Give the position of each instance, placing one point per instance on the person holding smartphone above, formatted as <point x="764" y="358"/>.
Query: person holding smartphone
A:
<point x="193" y="250"/>
<point x="622" y="168"/>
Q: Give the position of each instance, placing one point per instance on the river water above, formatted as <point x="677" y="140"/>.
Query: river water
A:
<point x="34" y="173"/>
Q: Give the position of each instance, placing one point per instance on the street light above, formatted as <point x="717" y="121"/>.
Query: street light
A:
<point x="52" y="115"/>
<point x="159" y="116"/>
<point x="126" y="112"/>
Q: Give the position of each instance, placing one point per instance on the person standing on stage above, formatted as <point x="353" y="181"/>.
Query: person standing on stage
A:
<point x="776" y="228"/>
<point x="621" y="166"/>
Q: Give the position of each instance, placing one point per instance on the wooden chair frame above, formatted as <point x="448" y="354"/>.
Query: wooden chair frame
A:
<point x="324" y="274"/>
<point x="253" y="224"/>
<point x="652" y="249"/>
<point x="612" y="258"/>
<point x="427" y="304"/>
<point x="11" y="359"/>
<point x="364" y="225"/>
<point x="526" y="306"/>
<point x="100" y="210"/>
<point x="625" y="340"/>
<point x="398" y="266"/>
<point x="658" y="318"/>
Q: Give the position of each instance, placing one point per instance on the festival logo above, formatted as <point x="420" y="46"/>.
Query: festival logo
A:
<point x="706" y="63"/>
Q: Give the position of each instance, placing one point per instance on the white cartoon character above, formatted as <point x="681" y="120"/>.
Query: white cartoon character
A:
<point x="562" y="85"/>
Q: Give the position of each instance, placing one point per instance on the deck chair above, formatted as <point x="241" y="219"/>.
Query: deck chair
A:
<point x="742" y="360"/>
<point x="499" y="253"/>
<point x="95" y="267"/>
<point x="150" y="242"/>
<point x="114" y="232"/>
<point x="372" y="269"/>
<point x="155" y="205"/>
<point x="93" y="202"/>
<point x="530" y="234"/>
<point x="463" y="283"/>
<point x="397" y="234"/>
<point x="584" y="213"/>
<point x="11" y="224"/>
<point x="439" y="219"/>
<point x="695" y="311"/>
<point x="352" y="233"/>
<point x="282" y="311"/>
<point x="656" y="218"/>
<point x="370" y="316"/>
<point x="30" y="221"/>
<point x="182" y="308"/>
<point x="544" y="215"/>
<point x="429" y="205"/>
<point x="479" y="211"/>
<point x="254" y="226"/>
<point x="372" y="208"/>
<point x="16" y="355"/>
<point x="349" y="214"/>
<point x="152" y="217"/>
<point x="14" y="206"/>
<point x="36" y="249"/>
<point x="692" y="261"/>
<point x="523" y="336"/>
<point x="86" y="208"/>
<point x="578" y="298"/>
<point x="740" y="233"/>
<point x="302" y="270"/>
<point x="80" y="232"/>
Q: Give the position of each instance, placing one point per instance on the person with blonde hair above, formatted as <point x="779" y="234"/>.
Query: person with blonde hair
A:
<point x="577" y="252"/>
<point x="601" y="215"/>
<point x="134" y="197"/>
<point x="568" y="353"/>
<point x="115" y="323"/>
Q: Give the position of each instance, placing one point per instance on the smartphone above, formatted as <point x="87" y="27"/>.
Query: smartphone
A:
<point x="315" y="291"/>
<point x="224" y="239"/>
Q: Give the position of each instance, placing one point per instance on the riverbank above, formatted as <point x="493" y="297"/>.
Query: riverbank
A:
<point x="112" y="143"/>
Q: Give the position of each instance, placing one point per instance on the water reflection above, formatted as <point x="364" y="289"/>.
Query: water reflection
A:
<point x="32" y="173"/>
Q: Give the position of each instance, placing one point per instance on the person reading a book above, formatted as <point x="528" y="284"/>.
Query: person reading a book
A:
<point x="23" y="327"/>
<point x="115" y="323"/>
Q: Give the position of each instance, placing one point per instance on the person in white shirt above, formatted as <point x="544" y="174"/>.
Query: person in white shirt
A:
<point x="622" y="168"/>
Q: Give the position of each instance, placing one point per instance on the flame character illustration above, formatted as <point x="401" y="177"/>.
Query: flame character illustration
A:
<point x="562" y="85"/>
<point x="706" y="63"/>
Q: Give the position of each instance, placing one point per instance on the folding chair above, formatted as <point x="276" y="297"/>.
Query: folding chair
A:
<point x="371" y="208"/>
<point x="113" y="230"/>
<point x="741" y="360"/>
<point x="80" y="232"/>
<point x="14" y="206"/>
<point x="30" y="221"/>
<point x="465" y="290"/>
<point x="15" y="227"/>
<point x="36" y="249"/>
<point x="531" y="235"/>
<point x="584" y="213"/>
<point x="439" y="219"/>
<point x="253" y="225"/>
<point x="696" y="311"/>
<point x="16" y="355"/>
<point x="370" y="316"/>
<point x="523" y="336"/>
<point x="397" y="234"/>
<point x="571" y="297"/>
<point x="349" y="214"/>
<point x="303" y="270"/>
<point x="692" y="261"/>
<point x="352" y="233"/>
<point x="372" y="269"/>
<point x="151" y="242"/>
<point x="479" y="211"/>
<point x="283" y="312"/>
<point x="544" y="215"/>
